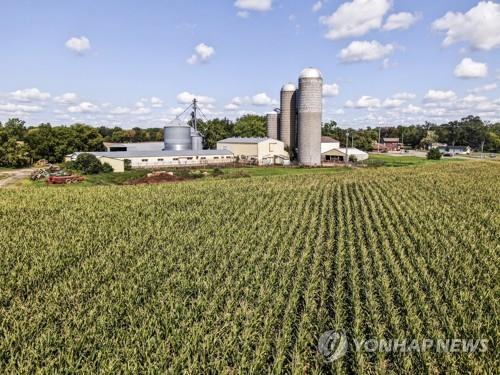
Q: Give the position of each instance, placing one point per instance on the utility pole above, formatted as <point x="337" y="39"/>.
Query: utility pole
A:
<point x="195" y="109"/>
<point x="403" y="138"/>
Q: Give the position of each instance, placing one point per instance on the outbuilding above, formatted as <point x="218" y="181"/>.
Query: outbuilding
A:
<point x="339" y="154"/>
<point x="262" y="151"/>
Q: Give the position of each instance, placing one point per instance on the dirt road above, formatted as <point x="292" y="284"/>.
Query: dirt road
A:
<point x="13" y="176"/>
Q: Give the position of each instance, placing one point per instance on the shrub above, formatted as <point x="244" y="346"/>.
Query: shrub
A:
<point x="106" y="168"/>
<point x="128" y="164"/>
<point x="88" y="164"/>
<point x="433" y="154"/>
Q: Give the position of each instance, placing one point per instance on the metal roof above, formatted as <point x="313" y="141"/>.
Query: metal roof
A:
<point x="243" y="140"/>
<point x="145" y="146"/>
<point x="140" y="154"/>
<point x="310" y="73"/>
<point x="288" y="87"/>
<point x="350" y="151"/>
<point x="326" y="139"/>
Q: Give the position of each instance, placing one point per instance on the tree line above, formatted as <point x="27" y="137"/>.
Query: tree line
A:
<point x="21" y="145"/>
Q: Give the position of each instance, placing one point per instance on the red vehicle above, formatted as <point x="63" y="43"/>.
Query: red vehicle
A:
<point x="59" y="180"/>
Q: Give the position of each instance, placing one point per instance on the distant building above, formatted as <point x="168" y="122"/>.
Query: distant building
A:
<point x="328" y="143"/>
<point x="139" y="146"/>
<point x="391" y="144"/>
<point x="340" y="154"/>
<point x="160" y="159"/>
<point x="445" y="149"/>
<point x="262" y="151"/>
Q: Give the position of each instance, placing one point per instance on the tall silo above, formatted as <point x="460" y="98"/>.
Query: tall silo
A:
<point x="177" y="136"/>
<point x="309" y="116"/>
<point x="288" y="118"/>
<point x="272" y="125"/>
<point x="196" y="140"/>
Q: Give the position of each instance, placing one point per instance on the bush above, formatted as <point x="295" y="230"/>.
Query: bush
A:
<point x="128" y="164"/>
<point x="106" y="168"/>
<point x="433" y="154"/>
<point x="88" y="164"/>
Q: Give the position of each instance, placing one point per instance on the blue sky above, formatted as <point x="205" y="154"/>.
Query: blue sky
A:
<point x="137" y="63"/>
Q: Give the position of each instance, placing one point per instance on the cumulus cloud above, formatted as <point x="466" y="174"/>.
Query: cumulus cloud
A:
<point x="202" y="54"/>
<point x="392" y="103"/>
<point x="355" y="18"/>
<point x="186" y="97"/>
<point x="243" y="14"/>
<point x="479" y="27"/>
<point x="404" y="95"/>
<point x="19" y="108"/>
<point x="28" y="95"/>
<point x="257" y="5"/>
<point x="412" y="109"/>
<point x="469" y="68"/>
<point x="439" y="96"/>
<point x="485" y="88"/>
<point x="263" y="99"/>
<point x="330" y="90"/>
<point x="83" y="107"/>
<point x="66" y="98"/>
<point x="156" y="102"/>
<point x="78" y="45"/>
<point x="120" y="110"/>
<point x="400" y="21"/>
<point x="317" y="6"/>
<point x="141" y="111"/>
<point x="365" y="51"/>
<point x="363" y="102"/>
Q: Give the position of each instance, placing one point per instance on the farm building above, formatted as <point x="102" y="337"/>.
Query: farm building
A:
<point x="462" y="150"/>
<point x="391" y="144"/>
<point x="161" y="159"/>
<point x="339" y="154"/>
<point x="328" y="143"/>
<point x="139" y="146"/>
<point x="263" y="151"/>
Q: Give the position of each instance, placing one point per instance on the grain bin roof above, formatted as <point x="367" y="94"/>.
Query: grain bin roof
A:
<point x="310" y="73"/>
<point x="288" y="87"/>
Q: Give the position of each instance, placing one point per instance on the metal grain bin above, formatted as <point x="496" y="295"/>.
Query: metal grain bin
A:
<point x="177" y="136"/>
<point x="272" y="125"/>
<point x="288" y="119"/>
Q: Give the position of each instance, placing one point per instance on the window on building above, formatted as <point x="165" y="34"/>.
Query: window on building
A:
<point x="216" y="157"/>
<point x="176" y="158"/>
<point x="160" y="159"/>
<point x="203" y="158"/>
<point x="144" y="160"/>
<point x="189" y="158"/>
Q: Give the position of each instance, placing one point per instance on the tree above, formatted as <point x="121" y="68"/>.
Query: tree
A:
<point x="88" y="164"/>
<point x="250" y="126"/>
<point x="214" y="130"/>
<point x="429" y="139"/>
<point x="329" y="128"/>
<point x="14" y="154"/>
<point x="434" y="154"/>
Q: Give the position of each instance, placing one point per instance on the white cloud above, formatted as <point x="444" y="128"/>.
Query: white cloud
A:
<point x="317" y="6"/>
<point x="202" y="54"/>
<point x="479" y="27"/>
<point x="78" y="45"/>
<point x="439" y="95"/>
<point x="19" y="108"/>
<point x="232" y="107"/>
<point x="119" y="110"/>
<point x="176" y="111"/>
<point x="392" y="103"/>
<point x="365" y="51"/>
<point x="187" y="98"/>
<point x="156" y="102"/>
<point x="66" y="98"/>
<point x="400" y="21"/>
<point x="141" y="111"/>
<point x="331" y="90"/>
<point x="263" y="99"/>
<point x="355" y="18"/>
<point x="404" y="95"/>
<point x="258" y="5"/>
<point x="28" y="95"/>
<point x="469" y="68"/>
<point x="363" y="102"/>
<point x="413" y="109"/>
<point x="485" y="88"/>
<point x="243" y="14"/>
<point x="83" y="107"/>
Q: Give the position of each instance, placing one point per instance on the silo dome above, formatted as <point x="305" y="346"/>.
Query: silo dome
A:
<point x="310" y="73"/>
<point x="288" y="87"/>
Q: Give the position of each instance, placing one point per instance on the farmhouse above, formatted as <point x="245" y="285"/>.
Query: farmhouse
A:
<point x="391" y="144"/>
<point x="328" y="143"/>
<point x="263" y="151"/>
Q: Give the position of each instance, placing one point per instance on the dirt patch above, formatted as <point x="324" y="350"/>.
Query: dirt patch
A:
<point x="158" y="179"/>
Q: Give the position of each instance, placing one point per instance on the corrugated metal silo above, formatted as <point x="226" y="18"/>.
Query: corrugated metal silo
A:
<point x="196" y="140"/>
<point x="272" y="125"/>
<point x="177" y="136"/>
<point x="288" y="118"/>
<point x="310" y="109"/>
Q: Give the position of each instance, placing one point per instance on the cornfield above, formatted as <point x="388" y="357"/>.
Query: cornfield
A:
<point x="244" y="275"/>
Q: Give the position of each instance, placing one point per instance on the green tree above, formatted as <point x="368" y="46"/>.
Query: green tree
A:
<point x="250" y="126"/>
<point x="14" y="153"/>
<point x="214" y="130"/>
<point x="433" y="154"/>
<point x="88" y="164"/>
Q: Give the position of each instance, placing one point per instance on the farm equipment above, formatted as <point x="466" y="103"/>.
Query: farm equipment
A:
<point x="60" y="180"/>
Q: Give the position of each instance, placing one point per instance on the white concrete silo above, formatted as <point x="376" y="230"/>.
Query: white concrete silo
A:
<point x="310" y="109"/>
<point x="288" y="117"/>
<point x="272" y="125"/>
